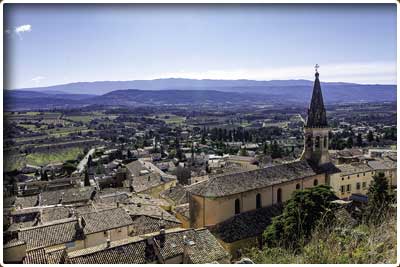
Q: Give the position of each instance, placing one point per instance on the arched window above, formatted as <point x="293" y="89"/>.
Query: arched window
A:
<point x="317" y="141"/>
<point x="315" y="182"/>
<point x="258" y="201"/>
<point x="325" y="141"/>
<point x="279" y="196"/>
<point x="237" y="206"/>
<point x="297" y="186"/>
<point x="309" y="141"/>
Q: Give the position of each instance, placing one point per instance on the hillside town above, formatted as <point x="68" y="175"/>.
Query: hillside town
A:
<point x="179" y="184"/>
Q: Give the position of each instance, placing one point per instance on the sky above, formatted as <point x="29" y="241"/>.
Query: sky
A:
<point x="56" y="44"/>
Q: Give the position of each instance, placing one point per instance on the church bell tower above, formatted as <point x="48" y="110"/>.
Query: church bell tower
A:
<point x="316" y="130"/>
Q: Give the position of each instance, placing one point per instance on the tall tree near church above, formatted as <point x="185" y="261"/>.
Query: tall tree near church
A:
<point x="87" y="181"/>
<point x="378" y="198"/>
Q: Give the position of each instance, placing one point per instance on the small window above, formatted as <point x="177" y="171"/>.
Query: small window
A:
<point x="105" y="233"/>
<point x="309" y="141"/>
<point x="342" y="178"/>
<point x="315" y="182"/>
<point x="348" y="177"/>
<point x="364" y="174"/>
<point x="364" y="184"/>
<point x="258" y="201"/>
<point x="342" y="189"/>
<point x="297" y="186"/>
<point x="279" y="196"/>
<point x="348" y="187"/>
<point x="317" y="141"/>
<point x="358" y="186"/>
<point x="358" y="175"/>
<point x="237" y="206"/>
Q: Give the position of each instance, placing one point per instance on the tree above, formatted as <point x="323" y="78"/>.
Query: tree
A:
<point x="265" y="148"/>
<point x="303" y="211"/>
<point x="69" y="167"/>
<point x="87" y="181"/>
<point x="44" y="176"/>
<point x="129" y="154"/>
<point x="183" y="175"/>
<point x="192" y="154"/>
<point x="90" y="161"/>
<point x="349" y="142"/>
<point x="243" y="152"/>
<point x="378" y="198"/>
<point x="276" y="151"/>
<point x="370" y="136"/>
<point x="359" y="140"/>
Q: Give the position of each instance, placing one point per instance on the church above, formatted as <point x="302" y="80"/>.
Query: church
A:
<point x="237" y="207"/>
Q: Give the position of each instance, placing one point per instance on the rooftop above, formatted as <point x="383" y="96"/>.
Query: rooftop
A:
<point x="203" y="249"/>
<point x="235" y="183"/>
<point x="104" y="220"/>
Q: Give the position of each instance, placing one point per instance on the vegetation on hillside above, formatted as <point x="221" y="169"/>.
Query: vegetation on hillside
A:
<point x="314" y="230"/>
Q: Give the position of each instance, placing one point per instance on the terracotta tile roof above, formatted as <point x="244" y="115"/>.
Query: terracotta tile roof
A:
<point x="55" y="213"/>
<point x="104" y="220"/>
<point x="145" y="224"/>
<point x="177" y="194"/>
<point x="127" y="251"/>
<point x="145" y="199"/>
<point x="26" y="202"/>
<point x="207" y="249"/>
<point x="246" y="224"/>
<point x="183" y="210"/>
<point x="70" y="195"/>
<point x="347" y="169"/>
<point x="46" y="235"/>
<point x="149" y="210"/>
<point x="37" y="256"/>
<point x="203" y="249"/>
<point x="230" y="184"/>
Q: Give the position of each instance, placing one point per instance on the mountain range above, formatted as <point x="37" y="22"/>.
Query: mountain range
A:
<point x="190" y="91"/>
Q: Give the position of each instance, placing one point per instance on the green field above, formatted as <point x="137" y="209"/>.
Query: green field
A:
<point x="12" y="162"/>
<point x="170" y="118"/>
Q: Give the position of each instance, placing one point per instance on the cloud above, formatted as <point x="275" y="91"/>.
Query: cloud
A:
<point x="365" y="73"/>
<point x="23" y="28"/>
<point x="38" y="79"/>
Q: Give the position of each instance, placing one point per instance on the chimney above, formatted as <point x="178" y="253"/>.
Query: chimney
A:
<point x="39" y="200"/>
<point x="40" y="217"/>
<point x="162" y="234"/>
<point x="79" y="234"/>
<point x="185" y="252"/>
<point x="108" y="239"/>
<point x="186" y="244"/>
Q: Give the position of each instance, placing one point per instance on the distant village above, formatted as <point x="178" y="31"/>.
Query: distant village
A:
<point x="179" y="184"/>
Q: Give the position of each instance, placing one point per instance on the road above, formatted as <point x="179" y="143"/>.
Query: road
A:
<point x="83" y="162"/>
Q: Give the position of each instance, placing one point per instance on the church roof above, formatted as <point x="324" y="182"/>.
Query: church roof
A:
<point x="316" y="113"/>
<point x="234" y="183"/>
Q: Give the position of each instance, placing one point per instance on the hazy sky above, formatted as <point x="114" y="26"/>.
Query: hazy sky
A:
<point x="54" y="44"/>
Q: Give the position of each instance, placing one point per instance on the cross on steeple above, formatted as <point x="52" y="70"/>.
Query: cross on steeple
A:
<point x="316" y="67"/>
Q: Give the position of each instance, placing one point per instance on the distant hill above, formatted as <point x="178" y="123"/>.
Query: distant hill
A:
<point x="184" y="91"/>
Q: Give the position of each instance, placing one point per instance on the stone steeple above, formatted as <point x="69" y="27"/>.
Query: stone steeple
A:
<point x="316" y="130"/>
<point x="316" y="113"/>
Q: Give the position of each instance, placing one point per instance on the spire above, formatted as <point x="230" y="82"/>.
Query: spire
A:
<point x="316" y="113"/>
